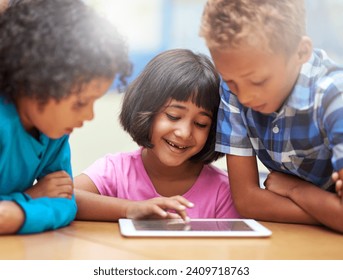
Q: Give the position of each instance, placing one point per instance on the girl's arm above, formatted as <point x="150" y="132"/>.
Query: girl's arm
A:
<point x="254" y="202"/>
<point x="324" y="206"/>
<point x="94" y="206"/>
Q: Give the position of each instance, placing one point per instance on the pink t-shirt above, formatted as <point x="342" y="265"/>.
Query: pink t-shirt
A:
<point x="123" y="175"/>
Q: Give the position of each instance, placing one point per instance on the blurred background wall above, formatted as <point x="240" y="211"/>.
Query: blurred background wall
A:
<point x="151" y="26"/>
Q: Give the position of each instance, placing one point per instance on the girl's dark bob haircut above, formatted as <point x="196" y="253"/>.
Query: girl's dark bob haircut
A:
<point x="50" y="49"/>
<point x="177" y="74"/>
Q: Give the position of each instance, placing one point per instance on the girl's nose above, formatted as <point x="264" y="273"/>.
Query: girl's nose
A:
<point x="184" y="131"/>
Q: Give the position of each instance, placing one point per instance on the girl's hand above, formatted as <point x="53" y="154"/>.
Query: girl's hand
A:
<point x="56" y="184"/>
<point x="159" y="208"/>
<point x="339" y="183"/>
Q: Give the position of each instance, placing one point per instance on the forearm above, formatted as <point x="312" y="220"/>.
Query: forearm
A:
<point x="42" y="214"/>
<point x="324" y="206"/>
<point x="97" y="207"/>
<point x="261" y="204"/>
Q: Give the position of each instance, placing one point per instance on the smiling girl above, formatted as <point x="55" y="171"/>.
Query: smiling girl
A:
<point x="170" y="111"/>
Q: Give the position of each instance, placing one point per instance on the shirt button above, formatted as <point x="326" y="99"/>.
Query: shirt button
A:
<point x="275" y="129"/>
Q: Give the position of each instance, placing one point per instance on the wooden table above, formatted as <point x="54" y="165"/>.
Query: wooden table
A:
<point x="102" y="241"/>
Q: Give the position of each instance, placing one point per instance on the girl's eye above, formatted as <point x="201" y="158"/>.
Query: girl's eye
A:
<point x="171" y="117"/>
<point x="201" y="125"/>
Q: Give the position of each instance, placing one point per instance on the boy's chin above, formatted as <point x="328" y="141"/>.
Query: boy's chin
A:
<point x="265" y="111"/>
<point x="58" y="134"/>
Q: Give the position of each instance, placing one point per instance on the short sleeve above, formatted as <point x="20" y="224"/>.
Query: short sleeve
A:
<point x="103" y="173"/>
<point x="232" y="137"/>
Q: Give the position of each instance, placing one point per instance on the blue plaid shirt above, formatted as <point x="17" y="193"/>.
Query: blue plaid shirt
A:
<point x="305" y="138"/>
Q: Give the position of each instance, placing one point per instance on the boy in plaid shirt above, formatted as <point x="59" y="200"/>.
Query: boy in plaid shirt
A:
<point x="281" y="101"/>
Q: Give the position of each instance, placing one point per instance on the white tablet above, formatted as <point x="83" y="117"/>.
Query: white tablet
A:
<point x="194" y="228"/>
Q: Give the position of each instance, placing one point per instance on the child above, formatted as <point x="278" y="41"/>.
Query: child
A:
<point x="170" y="111"/>
<point x="281" y="101"/>
<point x="57" y="58"/>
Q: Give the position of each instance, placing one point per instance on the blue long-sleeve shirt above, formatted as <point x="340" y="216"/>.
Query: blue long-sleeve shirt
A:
<point x="24" y="159"/>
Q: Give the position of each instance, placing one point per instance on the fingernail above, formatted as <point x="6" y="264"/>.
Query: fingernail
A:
<point x="181" y="207"/>
<point x="190" y="204"/>
<point x="164" y="214"/>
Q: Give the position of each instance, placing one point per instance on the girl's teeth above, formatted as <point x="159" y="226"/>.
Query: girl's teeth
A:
<point x="173" y="145"/>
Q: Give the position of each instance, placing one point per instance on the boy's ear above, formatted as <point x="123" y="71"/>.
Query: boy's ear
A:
<point x="304" y="49"/>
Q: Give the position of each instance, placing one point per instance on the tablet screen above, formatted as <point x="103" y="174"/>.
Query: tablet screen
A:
<point x="179" y="225"/>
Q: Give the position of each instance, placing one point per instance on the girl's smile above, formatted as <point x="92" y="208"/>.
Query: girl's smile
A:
<point x="174" y="145"/>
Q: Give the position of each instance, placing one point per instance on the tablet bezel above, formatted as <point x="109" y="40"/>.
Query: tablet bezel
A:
<point x="127" y="229"/>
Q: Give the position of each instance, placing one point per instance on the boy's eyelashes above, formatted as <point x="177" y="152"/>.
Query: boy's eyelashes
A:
<point x="258" y="83"/>
<point x="232" y="84"/>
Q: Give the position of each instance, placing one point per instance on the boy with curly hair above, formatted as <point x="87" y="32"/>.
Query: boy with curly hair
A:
<point x="57" y="58"/>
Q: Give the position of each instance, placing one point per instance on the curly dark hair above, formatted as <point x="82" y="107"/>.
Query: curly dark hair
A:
<point x="52" y="48"/>
<point x="176" y="74"/>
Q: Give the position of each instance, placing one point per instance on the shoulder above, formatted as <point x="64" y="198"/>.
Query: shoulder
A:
<point x="9" y="118"/>
<point x="123" y="157"/>
<point x="324" y="78"/>
<point x="216" y="175"/>
<point x="11" y="129"/>
<point x="327" y="73"/>
<point x="117" y="161"/>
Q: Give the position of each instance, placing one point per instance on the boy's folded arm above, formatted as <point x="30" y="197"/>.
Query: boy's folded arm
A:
<point x="251" y="201"/>
<point x="324" y="206"/>
<point x="46" y="213"/>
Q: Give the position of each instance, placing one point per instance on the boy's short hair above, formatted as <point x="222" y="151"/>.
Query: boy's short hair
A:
<point x="176" y="74"/>
<point x="52" y="48"/>
<point x="279" y="25"/>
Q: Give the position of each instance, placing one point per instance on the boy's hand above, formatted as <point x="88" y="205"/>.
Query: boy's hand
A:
<point x="338" y="182"/>
<point x="56" y="184"/>
<point x="158" y="208"/>
<point x="281" y="183"/>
